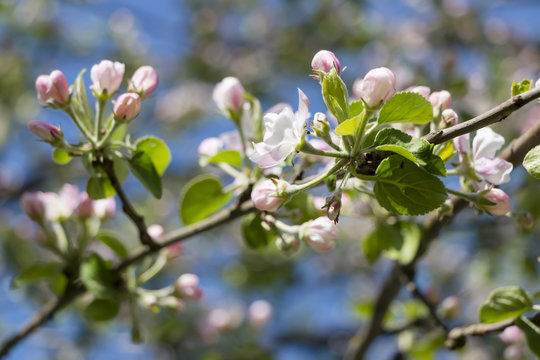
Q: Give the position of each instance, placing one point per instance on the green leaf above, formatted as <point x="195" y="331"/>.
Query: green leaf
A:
<point x="406" y="107"/>
<point x="102" y="310"/>
<point x="98" y="278"/>
<point x="532" y="333"/>
<point x="157" y="151"/>
<point x="408" y="246"/>
<point x="348" y="127"/>
<point x="504" y="303"/>
<point x="523" y="86"/>
<point x="531" y="163"/>
<point x="99" y="187"/>
<point x="200" y="198"/>
<point x="79" y="103"/>
<point x="112" y="242"/>
<point x="356" y="108"/>
<point x="255" y="236"/>
<point x="336" y="96"/>
<point x="435" y="165"/>
<point x="37" y="272"/>
<point x="61" y="156"/>
<point x="404" y="188"/>
<point x="231" y="157"/>
<point x="414" y="149"/>
<point x="143" y="168"/>
<point x="446" y="151"/>
<point x="383" y="237"/>
<point x="301" y="208"/>
<point x="119" y="132"/>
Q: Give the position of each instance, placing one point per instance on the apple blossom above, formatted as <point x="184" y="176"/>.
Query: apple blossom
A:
<point x="106" y="77"/>
<point x="265" y="195"/>
<point x="126" y="107"/>
<point x="187" y="286"/>
<point x="320" y="234"/>
<point x="422" y="90"/>
<point x="210" y="146"/>
<point x="85" y="208"/>
<point x="229" y="95"/>
<point x="60" y="206"/>
<point x="104" y="208"/>
<point x="440" y="100"/>
<point x="33" y="205"/>
<point x="376" y="87"/>
<point x="259" y="313"/>
<point x="53" y="88"/>
<point x="47" y="132"/>
<point x="501" y="202"/>
<point x="144" y="81"/>
<point x="283" y="133"/>
<point x="324" y="61"/>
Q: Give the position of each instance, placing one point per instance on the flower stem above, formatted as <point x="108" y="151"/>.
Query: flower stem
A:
<point x="81" y="127"/>
<point x="100" y="107"/>
<point x="306" y="147"/>
<point x="293" y="189"/>
<point x="358" y="136"/>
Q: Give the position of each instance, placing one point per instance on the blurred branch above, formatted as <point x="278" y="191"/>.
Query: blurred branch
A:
<point x="513" y="153"/>
<point x="494" y="115"/>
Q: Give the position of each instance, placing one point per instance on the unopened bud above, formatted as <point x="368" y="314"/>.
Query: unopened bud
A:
<point x="512" y="335"/>
<point x="33" y="205"/>
<point x="85" y="209"/>
<point x="47" y="132"/>
<point x="324" y="61"/>
<point x="104" y="208"/>
<point x="450" y="308"/>
<point x="320" y="234"/>
<point x="229" y="95"/>
<point x="266" y="195"/>
<point x="144" y="81"/>
<point x="173" y="251"/>
<point x="53" y="89"/>
<point x="287" y="243"/>
<point x="126" y="107"/>
<point x="422" y="90"/>
<point x="155" y="231"/>
<point x="210" y="146"/>
<point x="106" y="77"/>
<point x="501" y="202"/>
<point x="440" y="100"/>
<point x="376" y="87"/>
<point x="449" y="118"/>
<point x="187" y="287"/>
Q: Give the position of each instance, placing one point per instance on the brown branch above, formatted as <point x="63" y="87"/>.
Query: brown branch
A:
<point x="494" y="115"/>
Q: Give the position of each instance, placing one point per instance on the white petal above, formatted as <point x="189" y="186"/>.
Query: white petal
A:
<point x="494" y="170"/>
<point x="463" y="145"/>
<point x="267" y="156"/>
<point x="486" y="143"/>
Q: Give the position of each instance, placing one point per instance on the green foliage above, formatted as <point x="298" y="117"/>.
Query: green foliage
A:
<point x="37" y="272"/>
<point x="143" y="168"/>
<point x="79" y="102"/>
<point x="335" y="95"/>
<point x="504" y="303"/>
<point x="156" y="150"/>
<point x="531" y="163"/>
<point x="111" y="240"/>
<point x="98" y="278"/>
<point x="398" y="241"/>
<point x="201" y="197"/>
<point x="406" y="107"/>
<point x="404" y="188"/>
<point x="255" y="236"/>
<point x="231" y="157"/>
<point x="102" y="309"/>
<point x="348" y="127"/>
<point x="521" y="87"/>
<point x="60" y="156"/>
<point x="99" y="187"/>
<point x="532" y="333"/>
<point x="355" y="108"/>
<point x="301" y="208"/>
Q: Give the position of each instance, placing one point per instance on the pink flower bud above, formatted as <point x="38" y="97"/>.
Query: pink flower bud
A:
<point x="501" y="200"/>
<point x="155" y="231"/>
<point x="47" y="132"/>
<point x="210" y="146"/>
<point x="33" y="205"/>
<point x="377" y="86"/>
<point x="229" y="95"/>
<point x="320" y="234"/>
<point x="324" y="61"/>
<point x="259" y="313"/>
<point x="333" y="211"/>
<point x="440" y="100"/>
<point x="449" y="117"/>
<point x="53" y="88"/>
<point x="173" y="251"/>
<point x="104" y="208"/>
<point x="422" y="90"/>
<point x="265" y="196"/>
<point x="512" y="335"/>
<point x="187" y="286"/>
<point x="85" y="209"/>
<point x="144" y="81"/>
<point x="106" y="77"/>
<point x="126" y="107"/>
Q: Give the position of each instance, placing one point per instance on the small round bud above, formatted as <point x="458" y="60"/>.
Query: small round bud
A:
<point x="259" y="313"/>
<point x="422" y="90"/>
<point x="33" y="205"/>
<point x="187" y="286"/>
<point x="106" y="77"/>
<point x="144" y="81"/>
<point x="449" y="118"/>
<point x="320" y="234"/>
<point x="265" y="196"/>
<point x="53" y="89"/>
<point x="229" y="95"/>
<point x="126" y="107"/>
<point x="47" y="132"/>
<point x="155" y="231"/>
<point x="440" y="100"/>
<point x="512" y="335"/>
<point x="376" y="87"/>
<point x="501" y="202"/>
<point x="450" y="308"/>
<point x="324" y="61"/>
<point x="85" y="209"/>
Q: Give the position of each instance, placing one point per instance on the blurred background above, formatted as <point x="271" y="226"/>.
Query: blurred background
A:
<point x="472" y="48"/>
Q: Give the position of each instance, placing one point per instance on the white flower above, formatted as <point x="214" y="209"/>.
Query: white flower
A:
<point x="283" y="133"/>
<point x="320" y="234"/>
<point x="487" y="167"/>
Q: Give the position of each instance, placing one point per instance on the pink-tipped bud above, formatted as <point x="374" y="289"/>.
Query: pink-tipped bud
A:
<point x="155" y="231"/>
<point x="187" y="287"/>
<point x="376" y="87"/>
<point x="126" y="107"/>
<point x="501" y="202"/>
<point x="47" y="132"/>
<point x="210" y="146"/>
<point x="104" y="208"/>
<point x="173" y="251"/>
<point x="440" y="100"/>
<point x="85" y="209"/>
<point x="512" y="335"/>
<point x="422" y="90"/>
<point x="449" y="117"/>
<point x="106" y="77"/>
<point x="33" y="205"/>
<point x="229" y="95"/>
<point x="324" y="61"/>
<point x="265" y="195"/>
<point x="53" y="88"/>
<point x="144" y="81"/>
<point x="260" y="313"/>
<point x="320" y="234"/>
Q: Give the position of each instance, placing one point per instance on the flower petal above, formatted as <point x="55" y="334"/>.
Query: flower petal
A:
<point x="486" y="143"/>
<point x="494" y="170"/>
<point x="267" y="156"/>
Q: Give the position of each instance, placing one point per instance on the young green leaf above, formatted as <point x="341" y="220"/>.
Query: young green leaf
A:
<point x="255" y="236"/>
<point x="532" y="333"/>
<point x="348" y="127"/>
<point x="414" y="149"/>
<point x="335" y="95"/>
<point x="99" y="187"/>
<point x="521" y="87"/>
<point x="383" y="237"/>
<point x="355" y="108"/>
<point x="157" y="151"/>
<point x="102" y="309"/>
<point x="231" y="157"/>
<point x="143" y="168"/>
<point x="110" y="239"/>
<point x="98" y="278"/>
<point x="37" y="272"/>
<point x="406" y="107"/>
<point x="531" y="163"/>
<point x="301" y="208"/>
<point x="505" y="302"/>
<point x="200" y="198"/>
<point x="410" y="240"/>
<point x="79" y="103"/>
<point x="61" y="156"/>
<point x="404" y="188"/>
